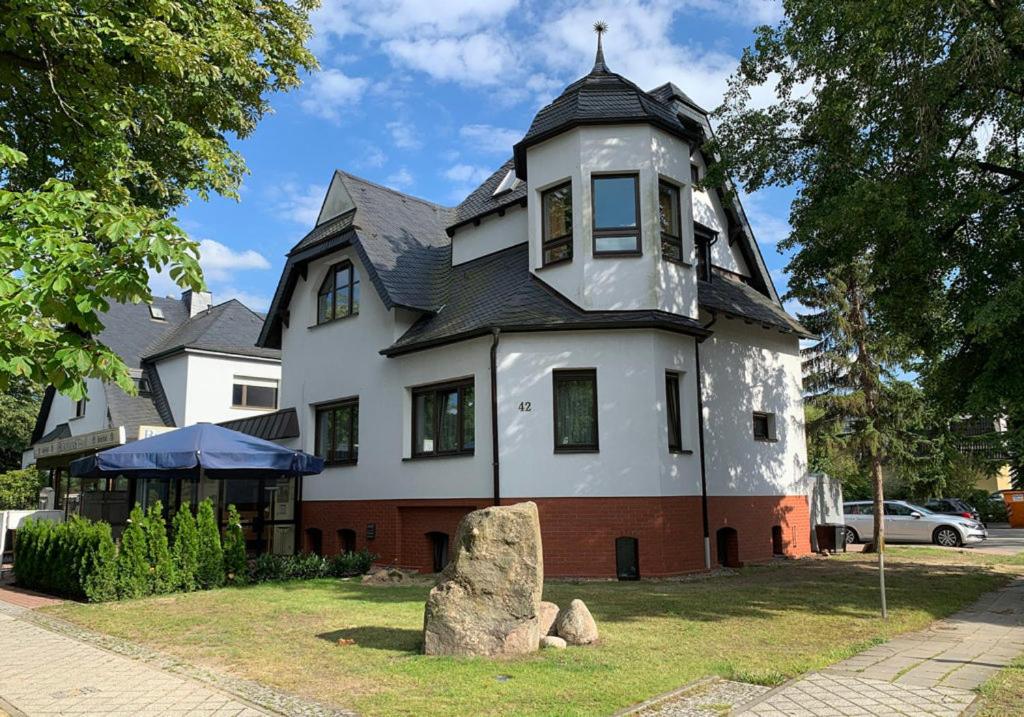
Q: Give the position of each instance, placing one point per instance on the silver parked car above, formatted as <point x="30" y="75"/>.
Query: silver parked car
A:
<point x="909" y="523"/>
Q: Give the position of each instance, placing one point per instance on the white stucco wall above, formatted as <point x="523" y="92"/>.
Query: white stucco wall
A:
<point x="634" y="282"/>
<point x="341" y="359"/>
<point x="173" y="372"/>
<point x="210" y="382"/>
<point x="494" y="234"/>
<point x="634" y="459"/>
<point x="747" y="369"/>
<point x="62" y="410"/>
<point x="707" y="209"/>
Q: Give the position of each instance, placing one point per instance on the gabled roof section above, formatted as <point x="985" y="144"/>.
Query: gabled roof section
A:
<point x="400" y="240"/>
<point x="129" y="329"/>
<point x="483" y="200"/>
<point x="499" y="292"/>
<point x="600" y="97"/>
<point x="230" y="328"/>
<point x="337" y="201"/>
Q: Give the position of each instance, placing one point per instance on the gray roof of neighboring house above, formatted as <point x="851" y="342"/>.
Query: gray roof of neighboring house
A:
<point x="400" y="240"/>
<point x="600" y="97"/>
<point x="741" y="301"/>
<point x="61" y="430"/>
<point x="230" y="327"/>
<point x="499" y="291"/>
<point x="275" y="426"/>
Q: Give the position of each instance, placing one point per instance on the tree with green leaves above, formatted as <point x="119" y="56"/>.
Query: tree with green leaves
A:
<point x="158" y="555"/>
<point x="236" y="566"/>
<point x="19" y="406"/>
<point x="900" y="125"/>
<point x="210" y="568"/>
<point x="133" y="579"/>
<point x="111" y="115"/>
<point x="19" y="489"/>
<point x="185" y="550"/>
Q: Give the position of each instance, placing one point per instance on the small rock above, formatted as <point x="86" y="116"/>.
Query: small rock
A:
<point x="548" y="615"/>
<point x="345" y="641"/>
<point x="576" y="625"/>
<point x="551" y="641"/>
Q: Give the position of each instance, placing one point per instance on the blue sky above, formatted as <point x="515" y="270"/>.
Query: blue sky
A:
<point x="428" y="97"/>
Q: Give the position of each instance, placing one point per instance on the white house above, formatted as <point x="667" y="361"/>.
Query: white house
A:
<point x="588" y="329"/>
<point x="191" y="361"/>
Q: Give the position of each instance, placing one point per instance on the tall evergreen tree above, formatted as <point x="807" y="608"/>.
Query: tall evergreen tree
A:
<point x="158" y="554"/>
<point x="236" y="566"/>
<point x="185" y="550"/>
<point x="210" y="570"/>
<point x="133" y="579"/>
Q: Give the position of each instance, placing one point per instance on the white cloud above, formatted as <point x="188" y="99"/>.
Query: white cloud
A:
<point x="768" y="216"/>
<point x="403" y="135"/>
<point x="329" y="92"/>
<point x="476" y="60"/>
<point x="220" y="261"/>
<point x="467" y="173"/>
<point x="490" y="139"/>
<point x="374" y="157"/>
<point x="298" y="203"/>
<point x="256" y="302"/>
<point x="400" y="179"/>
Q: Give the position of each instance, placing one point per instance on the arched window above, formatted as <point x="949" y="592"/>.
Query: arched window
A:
<point x="339" y="293"/>
<point x="627" y="558"/>
<point x="314" y="541"/>
<point x="728" y="544"/>
<point x="439" y="550"/>
<point x="347" y="540"/>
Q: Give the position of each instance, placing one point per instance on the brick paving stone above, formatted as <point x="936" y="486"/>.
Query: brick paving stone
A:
<point x="930" y="673"/>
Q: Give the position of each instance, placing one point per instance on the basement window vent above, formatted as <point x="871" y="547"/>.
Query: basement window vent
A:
<point x="510" y="182"/>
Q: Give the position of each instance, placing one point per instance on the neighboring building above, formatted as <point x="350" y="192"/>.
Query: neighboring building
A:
<point x="191" y="362"/>
<point x="545" y="340"/>
<point x="982" y="438"/>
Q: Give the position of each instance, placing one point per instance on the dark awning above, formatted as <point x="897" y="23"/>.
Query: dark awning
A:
<point x="214" y="451"/>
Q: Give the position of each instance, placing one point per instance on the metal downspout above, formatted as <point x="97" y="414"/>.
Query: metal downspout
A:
<point x="495" y="466"/>
<point x="703" y="466"/>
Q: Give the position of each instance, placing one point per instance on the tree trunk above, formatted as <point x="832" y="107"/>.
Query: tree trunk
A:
<point x="879" y="536"/>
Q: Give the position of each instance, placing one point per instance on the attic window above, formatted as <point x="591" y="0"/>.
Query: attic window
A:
<point x="339" y="294"/>
<point x="508" y="183"/>
<point x="156" y="313"/>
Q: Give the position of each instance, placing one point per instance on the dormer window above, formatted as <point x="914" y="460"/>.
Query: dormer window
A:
<point x="509" y="182"/>
<point x="339" y="294"/>
<point x="671" y="222"/>
<point x="156" y="313"/>
<point x="556" y="205"/>
<point x="616" y="214"/>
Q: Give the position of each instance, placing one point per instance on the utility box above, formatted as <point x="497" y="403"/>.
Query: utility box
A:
<point x="831" y="537"/>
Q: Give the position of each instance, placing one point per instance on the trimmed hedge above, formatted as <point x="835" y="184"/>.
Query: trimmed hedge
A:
<point x="78" y="559"/>
<point x="75" y="559"/>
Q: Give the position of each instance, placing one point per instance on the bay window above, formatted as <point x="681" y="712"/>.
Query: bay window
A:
<point x="616" y="199"/>
<point x="575" y="410"/>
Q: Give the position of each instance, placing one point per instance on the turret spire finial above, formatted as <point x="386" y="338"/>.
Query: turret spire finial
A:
<point x="600" y="27"/>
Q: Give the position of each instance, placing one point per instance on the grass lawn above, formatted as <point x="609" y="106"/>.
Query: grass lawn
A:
<point x="765" y="624"/>
<point x="1003" y="695"/>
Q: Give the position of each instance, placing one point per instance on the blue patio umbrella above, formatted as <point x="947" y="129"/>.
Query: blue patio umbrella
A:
<point x="207" y="449"/>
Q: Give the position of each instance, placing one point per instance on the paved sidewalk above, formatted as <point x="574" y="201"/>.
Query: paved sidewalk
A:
<point x="931" y="672"/>
<point x="43" y="673"/>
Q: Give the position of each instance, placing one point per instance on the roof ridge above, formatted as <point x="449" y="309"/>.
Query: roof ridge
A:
<point x="403" y="195"/>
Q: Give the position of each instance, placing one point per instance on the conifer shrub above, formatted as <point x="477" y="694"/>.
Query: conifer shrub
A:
<point x="236" y="567"/>
<point x="73" y="559"/>
<point x="158" y="553"/>
<point x="185" y="550"/>
<point x="210" y="570"/>
<point x="133" y="579"/>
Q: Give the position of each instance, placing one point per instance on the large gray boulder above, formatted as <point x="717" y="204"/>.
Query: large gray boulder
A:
<point x="488" y="599"/>
<point x="576" y="625"/>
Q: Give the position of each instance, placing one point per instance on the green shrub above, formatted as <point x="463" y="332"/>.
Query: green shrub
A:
<point x="236" y="568"/>
<point x="158" y="554"/>
<point x="352" y="563"/>
<point x="74" y="559"/>
<point x="133" y="579"/>
<point x="991" y="511"/>
<point x="210" y="570"/>
<point x="185" y="551"/>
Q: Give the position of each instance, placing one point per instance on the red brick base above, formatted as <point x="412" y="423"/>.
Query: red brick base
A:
<point x="578" y="533"/>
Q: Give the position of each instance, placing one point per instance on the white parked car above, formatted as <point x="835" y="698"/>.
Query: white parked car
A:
<point x="909" y="523"/>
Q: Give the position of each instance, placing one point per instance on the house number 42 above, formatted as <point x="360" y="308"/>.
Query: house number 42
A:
<point x="525" y="406"/>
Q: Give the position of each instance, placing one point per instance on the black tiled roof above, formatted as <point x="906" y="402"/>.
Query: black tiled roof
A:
<point x="600" y="97"/>
<point x="482" y="201"/>
<point x="499" y="292"/>
<point x="738" y="300"/>
<point x="400" y="240"/>
<point x="61" y="430"/>
<point x="231" y="327"/>
<point x="275" y="426"/>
